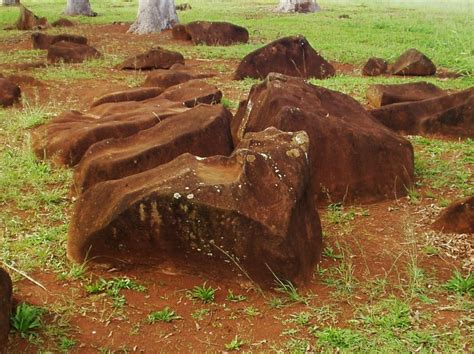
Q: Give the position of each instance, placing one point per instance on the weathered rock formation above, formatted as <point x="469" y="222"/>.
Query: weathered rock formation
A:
<point x="5" y="307"/>
<point x="191" y="132"/>
<point x="211" y="33"/>
<point x="157" y="58"/>
<point x="44" y="41"/>
<point x="69" y="52"/>
<point x="137" y="94"/>
<point x="353" y="157"/>
<point x="65" y="139"/>
<point x="382" y="95"/>
<point x="10" y="93"/>
<point x="254" y="205"/>
<point x="63" y="22"/>
<point x="413" y="63"/>
<point x="292" y="56"/>
<point x="375" y="67"/>
<point x="177" y="74"/>
<point x="449" y="115"/>
<point x="29" y="21"/>
<point x="457" y="218"/>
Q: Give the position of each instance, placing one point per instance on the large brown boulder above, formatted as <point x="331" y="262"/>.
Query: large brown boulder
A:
<point x="44" y="41"/>
<point x="10" y="93"/>
<point x="63" y="22"/>
<point x="70" y="52"/>
<point x="211" y="33"/>
<point x="136" y="94"/>
<point x="375" y="67"/>
<point x="413" y="63"/>
<point x="382" y="95"/>
<point x="29" y="21"/>
<point x="5" y="307"/>
<point x="157" y="58"/>
<point x="292" y="56"/>
<point x="65" y="139"/>
<point x="457" y="218"/>
<point x="190" y="132"/>
<point x="449" y="115"/>
<point x="177" y="74"/>
<point x="353" y="157"/>
<point x="253" y="207"/>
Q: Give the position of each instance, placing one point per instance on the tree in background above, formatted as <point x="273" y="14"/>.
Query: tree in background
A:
<point x="298" y="6"/>
<point x="79" y="7"/>
<point x="154" y="16"/>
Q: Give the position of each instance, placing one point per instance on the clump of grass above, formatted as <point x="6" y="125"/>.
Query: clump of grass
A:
<point x="166" y="315"/>
<point x="113" y="288"/>
<point x="338" y="338"/>
<point x="235" y="344"/>
<point x="461" y="285"/>
<point x="203" y="293"/>
<point x="26" y="319"/>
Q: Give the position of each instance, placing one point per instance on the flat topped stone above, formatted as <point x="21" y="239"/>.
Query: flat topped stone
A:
<point x="253" y="205"/>
<point x="292" y="56"/>
<point x="353" y="157"/>
<point x="190" y="132"/>
<point x="211" y="33"/>
<point x="449" y="115"/>
<point x="70" y="52"/>
<point x="44" y="41"/>
<point x="382" y="95"/>
<point x="157" y="58"/>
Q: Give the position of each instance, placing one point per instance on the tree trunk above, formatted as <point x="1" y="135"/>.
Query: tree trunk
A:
<point x="79" y="7"/>
<point x="298" y="6"/>
<point x="10" y="2"/>
<point x="154" y="16"/>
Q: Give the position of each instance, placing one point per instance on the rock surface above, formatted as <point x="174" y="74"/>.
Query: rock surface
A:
<point x="190" y="132"/>
<point x="69" y="52"/>
<point x="457" y="218"/>
<point x="5" y="307"/>
<point x="253" y="205"/>
<point x="10" y="93"/>
<point x="65" y="139"/>
<point x="177" y="74"/>
<point x="63" y="22"/>
<point x="157" y="58"/>
<point x="413" y="63"/>
<point x="292" y="56"/>
<point x="353" y="157"/>
<point x="211" y="33"/>
<point x="382" y="95"/>
<point x="137" y="94"/>
<point x="375" y="67"/>
<point x="44" y="41"/>
<point x="449" y="115"/>
<point x="29" y="21"/>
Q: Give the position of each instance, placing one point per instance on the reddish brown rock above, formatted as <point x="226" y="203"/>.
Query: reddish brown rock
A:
<point x="290" y="56"/>
<point x="192" y="93"/>
<point x="353" y="157"/>
<point x="44" y="41"/>
<point x="157" y="58"/>
<point x="63" y="22"/>
<point x="66" y="138"/>
<point x="5" y="307"/>
<point x="69" y="52"/>
<point x="375" y="67"/>
<point x="10" y="93"/>
<point x="173" y="76"/>
<point x="457" y="218"/>
<point x="187" y="132"/>
<point x="29" y="21"/>
<point x="253" y="205"/>
<point x="382" y="95"/>
<point x="449" y="115"/>
<point x="211" y="33"/>
<point x="137" y="94"/>
<point x="413" y="63"/>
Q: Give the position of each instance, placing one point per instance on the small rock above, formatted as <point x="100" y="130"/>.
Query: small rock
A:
<point x="157" y="58"/>
<point x="375" y="67"/>
<point x="413" y="63"/>
<point x="9" y="93"/>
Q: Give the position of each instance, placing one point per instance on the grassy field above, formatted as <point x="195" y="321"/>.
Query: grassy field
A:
<point x="415" y="302"/>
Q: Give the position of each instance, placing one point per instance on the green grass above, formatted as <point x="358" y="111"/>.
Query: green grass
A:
<point x="203" y="293"/>
<point x="26" y="319"/>
<point x="166" y="315"/>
